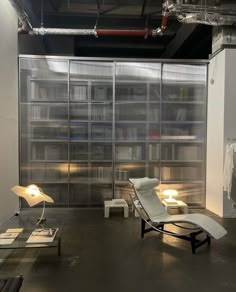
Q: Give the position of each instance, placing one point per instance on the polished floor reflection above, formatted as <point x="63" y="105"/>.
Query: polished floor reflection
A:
<point x="108" y="255"/>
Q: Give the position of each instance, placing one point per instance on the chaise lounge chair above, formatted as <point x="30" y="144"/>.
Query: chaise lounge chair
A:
<point x="156" y="217"/>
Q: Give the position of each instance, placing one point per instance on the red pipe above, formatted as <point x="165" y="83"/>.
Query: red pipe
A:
<point x="120" y="32"/>
<point x="165" y="14"/>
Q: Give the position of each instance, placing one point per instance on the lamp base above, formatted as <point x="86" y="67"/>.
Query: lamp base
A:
<point x="41" y="220"/>
<point x="170" y="201"/>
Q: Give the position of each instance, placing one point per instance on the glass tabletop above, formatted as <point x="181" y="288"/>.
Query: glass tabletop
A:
<point x="28" y="225"/>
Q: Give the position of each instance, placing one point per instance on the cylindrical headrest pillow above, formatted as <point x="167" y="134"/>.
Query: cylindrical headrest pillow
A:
<point x="145" y="183"/>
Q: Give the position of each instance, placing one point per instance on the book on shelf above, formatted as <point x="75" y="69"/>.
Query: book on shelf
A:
<point x="188" y="152"/>
<point x="102" y="174"/>
<point x="100" y="93"/>
<point x="168" y="151"/>
<point x="121" y="174"/>
<point x="42" y="235"/>
<point x="123" y="152"/>
<point x="154" y="114"/>
<point x="156" y="171"/>
<point x="181" y="114"/>
<point x="180" y="173"/>
<point x="129" y="152"/>
<point x="78" y="93"/>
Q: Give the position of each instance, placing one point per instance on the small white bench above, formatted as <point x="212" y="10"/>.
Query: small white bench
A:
<point x="116" y="203"/>
<point x="176" y="204"/>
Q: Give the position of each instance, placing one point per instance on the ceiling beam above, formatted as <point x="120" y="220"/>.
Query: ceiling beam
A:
<point x="118" y="45"/>
<point x="181" y="36"/>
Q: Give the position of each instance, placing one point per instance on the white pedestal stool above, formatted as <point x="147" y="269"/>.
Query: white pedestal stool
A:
<point x="116" y="203"/>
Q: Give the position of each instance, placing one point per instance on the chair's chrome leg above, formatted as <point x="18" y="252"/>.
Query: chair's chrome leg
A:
<point x="208" y="240"/>
<point x="142" y="228"/>
<point x="192" y="240"/>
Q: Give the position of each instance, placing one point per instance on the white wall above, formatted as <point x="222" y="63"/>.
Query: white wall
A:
<point x="8" y="111"/>
<point x="229" y="209"/>
<point x="221" y="125"/>
<point x="215" y="134"/>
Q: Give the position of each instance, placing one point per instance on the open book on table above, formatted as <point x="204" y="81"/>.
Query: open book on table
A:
<point x="42" y="235"/>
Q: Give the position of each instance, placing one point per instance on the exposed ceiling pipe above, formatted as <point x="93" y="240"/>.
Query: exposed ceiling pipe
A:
<point x="27" y="28"/>
<point x="213" y="19"/>
<point x="167" y="6"/>
<point x="205" y="14"/>
<point x="61" y="31"/>
<point x="94" y="32"/>
<point x="23" y="17"/>
<point x="111" y="32"/>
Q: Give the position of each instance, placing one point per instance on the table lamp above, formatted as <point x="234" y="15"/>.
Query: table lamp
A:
<point x="33" y="195"/>
<point x="170" y="193"/>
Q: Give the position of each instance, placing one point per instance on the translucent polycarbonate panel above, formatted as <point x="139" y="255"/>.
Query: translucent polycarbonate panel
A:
<point x="184" y="82"/>
<point x="137" y="111"/>
<point x="183" y="129"/>
<point x="49" y="151"/>
<point x="191" y="193"/>
<point x="131" y="111"/>
<point x="49" y="131"/>
<point x="78" y="111"/>
<point x="91" y="131"/>
<point x="101" y="131"/>
<point x="48" y="112"/>
<point x="79" y="172"/>
<point x="101" y="151"/>
<point x="102" y="112"/>
<point x="100" y="193"/>
<point x="91" y="70"/>
<point x="78" y="91"/>
<point x="45" y="172"/>
<point x="79" y="151"/>
<point x="185" y="152"/>
<point x="191" y="171"/>
<point x="124" y="171"/>
<point x="154" y="151"/>
<point x="78" y="131"/>
<point x="154" y="112"/>
<point x="130" y="131"/>
<point x="58" y="192"/>
<point x="85" y="125"/>
<point x="101" y="172"/>
<point x="154" y="169"/>
<point x="44" y="125"/>
<point x="148" y="72"/>
<point x="155" y="91"/>
<point x="101" y="91"/>
<point x="182" y="112"/>
<point x="154" y="131"/>
<point x="131" y="91"/>
<point x="130" y="151"/>
<point x="43" y="80"/>
<point x="79" y="195"/>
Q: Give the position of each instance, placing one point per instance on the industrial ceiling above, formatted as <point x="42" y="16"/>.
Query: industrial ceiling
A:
<point x="118" y="28"/>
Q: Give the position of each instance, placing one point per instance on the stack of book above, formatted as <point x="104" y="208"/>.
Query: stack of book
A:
<point x="9" y="236"/>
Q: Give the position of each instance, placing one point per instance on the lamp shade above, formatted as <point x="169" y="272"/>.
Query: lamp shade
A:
<point x="32" y="194"/>
<point x="170" y="193"/>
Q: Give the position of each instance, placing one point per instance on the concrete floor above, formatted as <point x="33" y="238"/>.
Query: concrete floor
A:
<point x="108" y="255"/>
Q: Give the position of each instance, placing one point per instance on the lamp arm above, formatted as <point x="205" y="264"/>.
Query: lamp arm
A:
<point x="41" y="218"/>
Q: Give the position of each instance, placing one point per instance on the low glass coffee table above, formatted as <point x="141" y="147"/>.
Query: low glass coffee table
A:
<point x="28" y="225"/>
